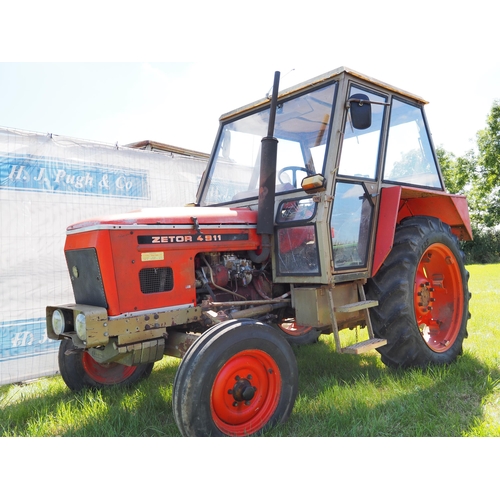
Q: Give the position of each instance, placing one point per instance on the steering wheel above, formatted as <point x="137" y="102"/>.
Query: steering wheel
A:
<point x="294" y="171"/>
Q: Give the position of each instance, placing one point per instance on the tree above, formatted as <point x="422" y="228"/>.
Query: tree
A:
<point x="459" y="173"/>
<point x="488" y="144"/>
<point x="477" y="175"/>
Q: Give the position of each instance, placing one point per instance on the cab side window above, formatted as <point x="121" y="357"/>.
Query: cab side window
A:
<point x="296" y="242"/>
<point x="350" y="225"/>
<point x="360" y="147"/>
<point x="409" y="157"/>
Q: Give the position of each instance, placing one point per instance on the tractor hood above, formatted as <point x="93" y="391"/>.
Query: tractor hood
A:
<point x="170" y="216"/>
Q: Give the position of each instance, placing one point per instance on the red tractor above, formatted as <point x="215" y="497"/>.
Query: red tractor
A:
<point x="322" y="208"/>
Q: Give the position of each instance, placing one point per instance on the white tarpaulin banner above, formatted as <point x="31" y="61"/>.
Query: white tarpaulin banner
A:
<point x="47" y="183"/>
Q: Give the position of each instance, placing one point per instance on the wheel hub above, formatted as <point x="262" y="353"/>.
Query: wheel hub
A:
<point x="243" y="389"/>
<point x="425" y="295"/>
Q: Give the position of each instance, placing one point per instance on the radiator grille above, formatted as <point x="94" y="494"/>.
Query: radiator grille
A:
<point x="156" y="279"/>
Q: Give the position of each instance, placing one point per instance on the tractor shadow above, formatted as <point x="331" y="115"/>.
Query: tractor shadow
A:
<point x="347" y="395"/>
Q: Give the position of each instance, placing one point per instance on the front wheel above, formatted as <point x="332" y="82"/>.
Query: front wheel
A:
<point x="79" y="370"/>
<point x="239" y="378"/>
<point x="423" y="295"/>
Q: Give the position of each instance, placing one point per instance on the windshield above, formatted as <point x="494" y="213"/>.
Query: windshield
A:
<point x="302" y="127"/>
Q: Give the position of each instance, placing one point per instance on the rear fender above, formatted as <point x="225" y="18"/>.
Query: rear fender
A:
<point x="398" y="202"/>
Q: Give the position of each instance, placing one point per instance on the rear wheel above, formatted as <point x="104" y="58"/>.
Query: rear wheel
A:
<point x="297" y="334"/>
<point x="423" y="295"/>
<point x="79" y="370"/>
<point x="238" y="379"/>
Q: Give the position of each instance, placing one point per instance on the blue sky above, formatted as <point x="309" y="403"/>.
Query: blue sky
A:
<point x="445" y="55"/>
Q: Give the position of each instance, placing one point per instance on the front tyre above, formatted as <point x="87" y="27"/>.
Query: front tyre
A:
<point x="79" y="370"/>
<point x="423" y="295"/>
<point x="239" y="378"/>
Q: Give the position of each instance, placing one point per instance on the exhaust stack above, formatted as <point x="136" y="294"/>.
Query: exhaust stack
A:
<point x="267" y="184"/>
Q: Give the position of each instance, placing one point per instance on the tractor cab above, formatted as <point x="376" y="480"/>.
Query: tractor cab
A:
<point x="342" y="138"/>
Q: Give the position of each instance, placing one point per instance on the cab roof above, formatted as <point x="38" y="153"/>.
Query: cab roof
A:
<point x="319" y="80"/>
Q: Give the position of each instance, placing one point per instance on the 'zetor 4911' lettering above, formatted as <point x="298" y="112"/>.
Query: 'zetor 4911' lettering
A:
<point x="321" y="209"/>
<point x="184" y="238"/>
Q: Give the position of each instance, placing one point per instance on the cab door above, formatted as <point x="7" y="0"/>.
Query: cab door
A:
<point x="356" y="183"/>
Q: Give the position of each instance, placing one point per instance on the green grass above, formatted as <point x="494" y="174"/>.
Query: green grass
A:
<point x="339" y="395"/>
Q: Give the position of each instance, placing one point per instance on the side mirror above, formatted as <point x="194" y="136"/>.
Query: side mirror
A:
<point x="361" y="111"/>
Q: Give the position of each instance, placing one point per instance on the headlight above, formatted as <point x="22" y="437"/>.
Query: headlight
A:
<point x="81" y="326"/>
<point x="58" y="322"/>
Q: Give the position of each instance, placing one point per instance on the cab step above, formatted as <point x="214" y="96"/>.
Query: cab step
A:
<point x="356" y="306"/>
<point x="366" y="345"/>
<point x="363" y="305"/>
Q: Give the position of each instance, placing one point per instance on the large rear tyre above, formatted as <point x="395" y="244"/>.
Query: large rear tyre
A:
<point x="79" y="370"/>
<point x="240" y="378"/>
<point x="423" y="295"/>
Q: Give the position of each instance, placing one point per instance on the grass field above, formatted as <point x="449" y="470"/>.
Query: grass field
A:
<point x="339" y="395"/>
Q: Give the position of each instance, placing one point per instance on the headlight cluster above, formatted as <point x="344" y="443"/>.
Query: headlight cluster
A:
<point x="59" y="323"/>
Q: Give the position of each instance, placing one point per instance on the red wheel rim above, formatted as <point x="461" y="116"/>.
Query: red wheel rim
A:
<point x="290" y="327"/>
<point x="438" y="297"/>
<point x="245" y="393"/>
<point x="106" y="373"/>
